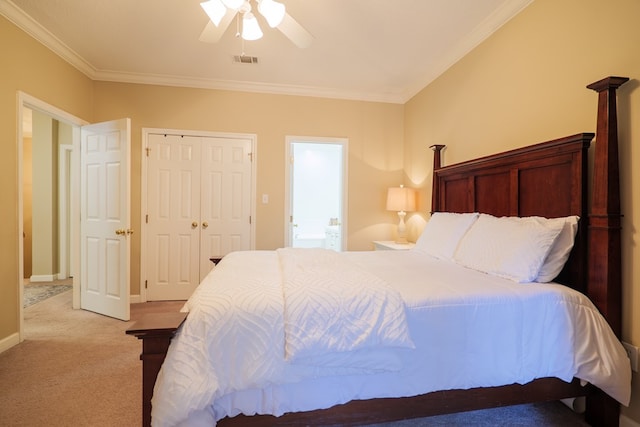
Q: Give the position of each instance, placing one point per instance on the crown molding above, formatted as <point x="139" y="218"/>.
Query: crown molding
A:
<point x="27" y="24"/>
<point x="245" y="86"/>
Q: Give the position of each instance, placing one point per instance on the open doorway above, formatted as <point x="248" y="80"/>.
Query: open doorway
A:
<point x="47" y="152"/>
<point x="46" y="178"/>
<point x="316" y="192"/>
<point x="47" y="148"/>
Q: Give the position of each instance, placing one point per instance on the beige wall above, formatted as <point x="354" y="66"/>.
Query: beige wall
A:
<point x="29" y="67"/>
<point x="526" y="84"/>
<point x="374" y="130"/>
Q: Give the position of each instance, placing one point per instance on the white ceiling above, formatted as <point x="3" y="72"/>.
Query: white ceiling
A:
<point x="376" y="50"/>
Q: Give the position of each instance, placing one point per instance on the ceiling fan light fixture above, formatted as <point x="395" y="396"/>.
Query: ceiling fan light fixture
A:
<point x="250" y="27"/>
<point x="272" y="11"/>
<point x="215" y="10"/>
<point x="233" y="4"/>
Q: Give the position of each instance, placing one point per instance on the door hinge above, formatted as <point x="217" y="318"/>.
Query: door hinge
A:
<point x="148" y="151"/>
<point x="145" y="284"/>
<point x="249" y="219"/>
<point x="250" y="156"/>
<point x="290" y="218"/>
<point x="146" y="218"/>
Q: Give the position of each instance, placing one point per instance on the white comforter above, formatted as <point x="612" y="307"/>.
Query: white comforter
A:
<point x="332" y="305"/>
<point x="308" y="309"/>
<point x="469" y="330"/>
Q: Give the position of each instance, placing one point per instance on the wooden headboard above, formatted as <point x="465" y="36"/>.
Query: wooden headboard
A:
<point x="547" y="179"/>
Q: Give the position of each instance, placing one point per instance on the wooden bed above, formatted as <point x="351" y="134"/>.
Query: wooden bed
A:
<point x="547" y="179"/>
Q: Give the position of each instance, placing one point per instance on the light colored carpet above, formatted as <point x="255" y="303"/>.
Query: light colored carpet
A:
<point x="77" y="368"/>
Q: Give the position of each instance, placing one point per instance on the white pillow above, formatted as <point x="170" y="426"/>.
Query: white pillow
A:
<point x="443" y="232"/>
<point x="510" y="247"/>
<point x="561" y="249"/>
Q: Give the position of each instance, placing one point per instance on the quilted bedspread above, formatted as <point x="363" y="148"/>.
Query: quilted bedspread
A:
<point x="332" y="306"/>
<point x="305" y="308"/>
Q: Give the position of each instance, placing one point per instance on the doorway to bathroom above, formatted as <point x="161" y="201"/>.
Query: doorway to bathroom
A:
<point x="316" y="192"/>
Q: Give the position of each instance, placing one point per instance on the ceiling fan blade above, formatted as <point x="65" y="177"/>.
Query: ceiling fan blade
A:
<point x="295" y="32"/>
<point x="213" y="34"/>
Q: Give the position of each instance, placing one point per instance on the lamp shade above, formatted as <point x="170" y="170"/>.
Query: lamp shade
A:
<point x="250" y="28"/>
<point x="401" y="199"/>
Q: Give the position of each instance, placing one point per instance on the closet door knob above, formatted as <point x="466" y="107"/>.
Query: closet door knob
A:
<point x="194" y="224"/>
<point x="205" y="224"/>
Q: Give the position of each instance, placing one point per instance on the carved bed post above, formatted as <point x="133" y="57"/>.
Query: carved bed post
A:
<point x="435" y="189"/>
<point x="604" y="281"/>
<point x="604" y="284"/>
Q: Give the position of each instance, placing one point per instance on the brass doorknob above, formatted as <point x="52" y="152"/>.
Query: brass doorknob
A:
<point x="129" y="231"/>
<point x="120" y="232"/>
<point x="194" y="224"/>
<point x="205" y="224"/>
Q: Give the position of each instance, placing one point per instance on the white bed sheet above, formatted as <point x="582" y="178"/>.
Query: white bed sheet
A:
<point x="469" y="329"/>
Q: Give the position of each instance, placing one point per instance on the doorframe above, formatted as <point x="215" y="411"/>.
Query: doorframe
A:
<point x="24" y="100"/>
<point x="289" y="140"/>
<point x="65" y="202"/>
<point x="143" y="186"/>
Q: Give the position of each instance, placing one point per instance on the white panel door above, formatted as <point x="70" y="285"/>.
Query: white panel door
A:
<point x="198" y="207"/>
<point x="225" y="198"/>
<point x="173" y="230"/>
<point x="105" y="218"/>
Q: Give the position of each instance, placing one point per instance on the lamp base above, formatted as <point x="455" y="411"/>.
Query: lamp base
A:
<point x="402" y="229"/>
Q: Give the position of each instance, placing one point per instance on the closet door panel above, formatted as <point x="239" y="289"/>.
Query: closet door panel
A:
<point x="226" y="190"/>
<point x="173" y="224"/>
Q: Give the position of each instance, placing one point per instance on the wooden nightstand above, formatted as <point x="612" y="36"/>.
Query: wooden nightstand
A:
<point x="390" y="245"/>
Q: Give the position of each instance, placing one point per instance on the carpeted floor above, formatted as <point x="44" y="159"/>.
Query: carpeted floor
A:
<point x="77" y="368"/>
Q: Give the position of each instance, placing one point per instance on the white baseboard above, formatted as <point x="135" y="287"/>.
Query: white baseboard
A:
<point x="133" y="299"/>
<point x="43" y="278"/>
<point x="10" y="341"/>
<point x="628" y="422"/>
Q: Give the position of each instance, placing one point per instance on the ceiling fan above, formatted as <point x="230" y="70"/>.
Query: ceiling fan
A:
<point x="222" y="12"/>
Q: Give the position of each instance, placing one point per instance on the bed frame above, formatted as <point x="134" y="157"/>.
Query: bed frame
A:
<point x="547" y="179"/>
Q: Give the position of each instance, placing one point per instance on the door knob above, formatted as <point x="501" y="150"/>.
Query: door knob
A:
<point x="205" y="224"/>
<point x="194" y="224"/>
<point x="120" y="232"/>
<point x="129" y="231"/>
